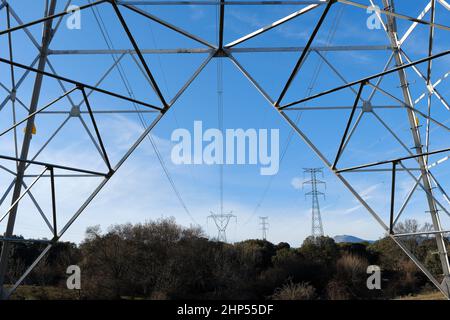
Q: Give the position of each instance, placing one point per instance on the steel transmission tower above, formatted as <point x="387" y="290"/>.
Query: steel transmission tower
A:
<point x="264" y="226"/>
<point x="385" y="98"/>
<point x="317" y="227"/>
<point x="22" y="165"/>
<point x="222" y="221"/>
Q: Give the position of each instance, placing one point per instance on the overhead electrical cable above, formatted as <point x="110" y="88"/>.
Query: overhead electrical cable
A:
<point x="308" y="92"/>
<point x="143" y="121"/>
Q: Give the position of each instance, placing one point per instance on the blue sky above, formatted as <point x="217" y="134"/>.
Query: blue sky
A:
<point x="140" y="191"/>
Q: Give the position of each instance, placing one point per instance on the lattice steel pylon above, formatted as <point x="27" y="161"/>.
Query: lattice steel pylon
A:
<point x="316" y="224"/>
<point x="221" y="221"/>
<point x="422" y="117"/>
<point x="264" y="226"/>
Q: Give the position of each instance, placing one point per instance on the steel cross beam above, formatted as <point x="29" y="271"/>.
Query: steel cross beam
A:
<point x="366" y="79"/>
<point x="391" y="14"/>
<point x="46" y="38"/>
<point x="227" y="50"/>
<point x="443" y="255"/>
<point x="304" y="52"/>
<point x="400" y="67"/>
<point x="40" y="73"/>
<point x="338" y="174"/>
<point x="214" y="2"/>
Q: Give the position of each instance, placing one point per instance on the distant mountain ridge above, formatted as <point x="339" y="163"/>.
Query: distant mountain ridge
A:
<point x="349" y="239"/>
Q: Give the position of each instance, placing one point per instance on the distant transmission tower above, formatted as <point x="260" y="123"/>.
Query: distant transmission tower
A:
<point x="317" y="228"/>
<point x="222" y="221"/>
<point x="264" y="226"/>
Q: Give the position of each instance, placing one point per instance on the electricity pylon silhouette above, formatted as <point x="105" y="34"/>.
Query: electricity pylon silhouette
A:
<point x="317" y="228"/>
<point x="264" y="226"/>
<point x="222" y="221"/>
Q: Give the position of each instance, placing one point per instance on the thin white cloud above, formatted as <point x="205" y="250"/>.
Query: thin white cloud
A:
<point x="369" y="192"/>
<point x="297" y="183"/>
<point x="352" y="209"/>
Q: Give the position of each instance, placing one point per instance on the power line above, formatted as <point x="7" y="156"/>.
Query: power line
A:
<point x="316" y="225"/>
<point x="308" y="92"/>
<point x="221" y="219"/>
<point x="220" y="121"/>
<point x="143" y="121"/>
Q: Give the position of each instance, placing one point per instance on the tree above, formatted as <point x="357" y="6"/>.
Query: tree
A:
<point x="321" y="250"/>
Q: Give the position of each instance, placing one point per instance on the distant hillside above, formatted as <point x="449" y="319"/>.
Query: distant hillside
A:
<point x="350" y="239"/>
